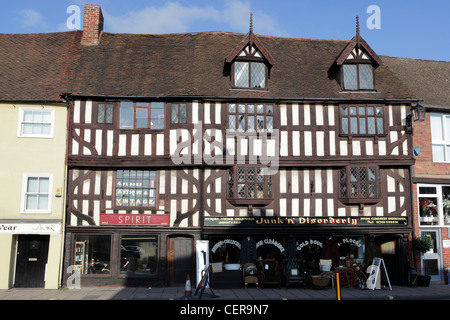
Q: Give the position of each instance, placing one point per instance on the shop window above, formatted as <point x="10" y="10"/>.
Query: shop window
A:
<point x="250" y="117"/>
<point x="135" y="188"/>
<point x="359" y="184"/>
<point x="249" y="185"/>
<point x="36" y="123"/>
<point x="434" y="205"/>
<point x="362" y="120"/>
<point x="141" y="115"/>
<point x="92" y="254"/>
<point x="36" y="193"/>
<point x="138" y="254"/>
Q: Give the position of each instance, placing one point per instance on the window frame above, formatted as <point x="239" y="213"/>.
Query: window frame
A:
<point x="149" y="107"/>
<point x="366" y="122"/>
<point x="233" y="183"/>
<point x="347" y="182"/>
<point x="358" y="78"/>
<point x="246" y="113"/>
<point x="249" y="62"/>
<point x="178" y="111"/>
<point x="441" y="219"/>
<point x="129" y="207"/>
<point x="445" y="141"/>
<point x="25" y="193"/>
<point x="21" y="121"/>
<point x="107" y="105"/>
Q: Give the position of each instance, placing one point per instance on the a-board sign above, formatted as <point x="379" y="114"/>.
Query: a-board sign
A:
<point x="374" y="272"/>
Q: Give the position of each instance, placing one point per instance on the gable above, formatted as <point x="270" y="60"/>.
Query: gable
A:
<point x="251" y="47"/>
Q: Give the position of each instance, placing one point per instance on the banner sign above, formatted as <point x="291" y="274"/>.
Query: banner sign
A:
<point x="135" y="219"/>
<point x="305" y="221"/>
<point x="30" y="228"/>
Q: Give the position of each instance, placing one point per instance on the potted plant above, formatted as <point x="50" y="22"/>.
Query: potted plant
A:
<point x="428" y="211"/>
<point x="446" y="205"/>
<point x="422" y="244"/>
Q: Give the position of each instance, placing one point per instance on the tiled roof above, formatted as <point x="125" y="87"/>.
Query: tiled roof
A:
<point x="428" y="79"/>
<point x="36" y="67"/>
<point x="42" y="66"/>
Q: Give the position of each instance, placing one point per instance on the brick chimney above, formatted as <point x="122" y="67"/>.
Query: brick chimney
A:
<point x="93" y="25"/>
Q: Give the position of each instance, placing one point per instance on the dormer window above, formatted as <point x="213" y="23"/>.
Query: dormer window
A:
<point x="358" y="76"/>
<point x="355" y="66"/>
<point x="249" y="75"/>
<point x="249" y="64"/>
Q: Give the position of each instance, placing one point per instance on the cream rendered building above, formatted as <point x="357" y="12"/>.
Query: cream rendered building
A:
<point x="33" y="143"/>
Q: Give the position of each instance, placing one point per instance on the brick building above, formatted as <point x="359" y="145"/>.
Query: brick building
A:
<point x="430" y="80"/>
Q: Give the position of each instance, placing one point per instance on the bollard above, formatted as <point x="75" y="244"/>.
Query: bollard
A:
<point x="338" y="287"/>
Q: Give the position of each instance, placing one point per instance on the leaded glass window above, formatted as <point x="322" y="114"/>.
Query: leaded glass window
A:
<point x="362" y="119"/>
<point x="250" y="117"/>
<point x="249" y="75"/>
<point x="135" y="188"/>
<point x="358" y="183"/>
<point x="358" y="76"/>
<point x="249" y="183"/>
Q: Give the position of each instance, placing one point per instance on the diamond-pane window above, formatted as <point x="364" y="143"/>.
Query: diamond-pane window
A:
<point x="252" y="183"/>
<point x="358" y="76"/>
<point x="258" y="75"/>
<point x="249" y="75"/>
<point x="365" y="76"/>
<point x="241" y="74"/>
<point x="362" y="183"/>
<point x="350" y="77"/>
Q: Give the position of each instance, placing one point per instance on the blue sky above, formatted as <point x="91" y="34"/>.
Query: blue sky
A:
<point x="414" y="29"/>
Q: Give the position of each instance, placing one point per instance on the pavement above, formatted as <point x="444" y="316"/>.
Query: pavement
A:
<point x="432" y="292"/>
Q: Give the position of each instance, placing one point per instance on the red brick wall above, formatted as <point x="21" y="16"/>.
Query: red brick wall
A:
<point x="425" y="166"/>
<point x="92" y="25"/>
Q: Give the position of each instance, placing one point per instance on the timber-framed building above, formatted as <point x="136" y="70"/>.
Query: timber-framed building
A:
<point x="301" y="144"/>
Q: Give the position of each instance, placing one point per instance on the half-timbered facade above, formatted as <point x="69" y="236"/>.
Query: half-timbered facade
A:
<point x="301" y="144"/>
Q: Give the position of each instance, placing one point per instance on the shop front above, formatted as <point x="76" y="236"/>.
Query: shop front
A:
<point x="129" y="255"/>
<point x="318" y="248"/>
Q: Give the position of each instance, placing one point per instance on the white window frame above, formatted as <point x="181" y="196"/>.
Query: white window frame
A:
<point x="20" y="133"/>
<point x="25" y="178"/>
<point x="441" y="219"/>
<point x="445" y="141"/>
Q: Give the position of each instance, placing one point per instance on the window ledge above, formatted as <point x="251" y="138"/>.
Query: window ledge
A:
<point x="359" y="91"/>
<point x="252" y="202"/>
<point x="359" y="200"/>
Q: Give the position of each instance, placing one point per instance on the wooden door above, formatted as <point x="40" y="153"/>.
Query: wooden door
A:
<point x="32" y="254"/>
<point x="181" y="259"/>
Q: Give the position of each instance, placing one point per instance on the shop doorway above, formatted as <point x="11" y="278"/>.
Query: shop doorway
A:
<point x="180" y="259"/>
<point x="431" y="260"/>
<point x="31" y="261"/>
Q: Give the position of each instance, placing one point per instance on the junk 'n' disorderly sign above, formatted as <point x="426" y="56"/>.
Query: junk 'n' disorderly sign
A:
<point x="304" y="221"/>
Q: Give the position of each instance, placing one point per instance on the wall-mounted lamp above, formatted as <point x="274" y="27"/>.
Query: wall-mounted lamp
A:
<point x="418" y="112"/>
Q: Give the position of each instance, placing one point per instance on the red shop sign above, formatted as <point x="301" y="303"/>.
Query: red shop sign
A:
<point x="135" y="219"/>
